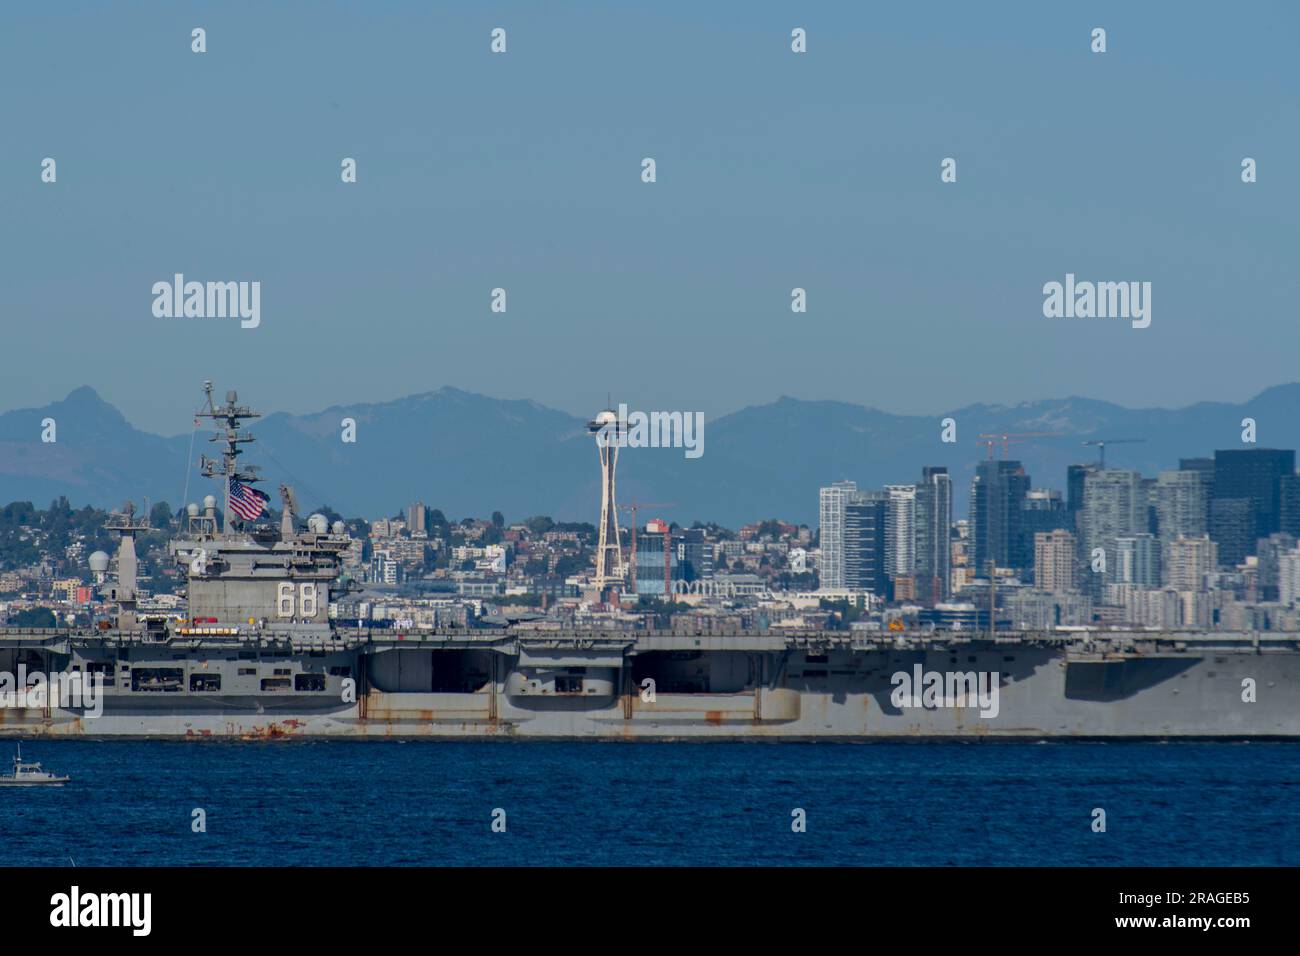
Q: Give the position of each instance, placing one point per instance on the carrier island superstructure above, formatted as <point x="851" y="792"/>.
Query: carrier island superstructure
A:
<point x="257" y="655"/>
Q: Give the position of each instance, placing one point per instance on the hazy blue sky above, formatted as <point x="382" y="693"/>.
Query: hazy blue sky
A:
<point x="523" y="171"/>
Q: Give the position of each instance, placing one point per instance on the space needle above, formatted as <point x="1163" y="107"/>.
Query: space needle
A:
<point x="609" y="552"/>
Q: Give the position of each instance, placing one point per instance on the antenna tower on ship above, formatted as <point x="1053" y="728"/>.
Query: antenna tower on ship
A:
<point x="228" y="418"/>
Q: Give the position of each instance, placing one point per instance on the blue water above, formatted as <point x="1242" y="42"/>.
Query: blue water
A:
<point x="431" y="803"/>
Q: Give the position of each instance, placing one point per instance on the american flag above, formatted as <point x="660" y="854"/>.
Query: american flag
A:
<point x="245" y="501"/>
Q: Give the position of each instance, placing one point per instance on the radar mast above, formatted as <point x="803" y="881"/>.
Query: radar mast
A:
<point x="228" y="418"/>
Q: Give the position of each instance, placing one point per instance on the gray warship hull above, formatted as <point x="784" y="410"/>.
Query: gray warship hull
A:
<point x="592" y="685"/>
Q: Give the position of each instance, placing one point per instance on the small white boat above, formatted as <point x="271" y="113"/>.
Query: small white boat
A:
<point x="30" y="775"/>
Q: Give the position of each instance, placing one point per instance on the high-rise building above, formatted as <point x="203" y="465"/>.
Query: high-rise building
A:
<point x="996" y="501"/>
<point x="695" y="554"/>
<point x="1114" y="506"/>
<point x="1289" y="513"/>
<point x="1044" y="510"/>
<point x="690" y="557"/>
<point x="1149" y="496"/>
<point x="865" y="543"/>
<point x="833" y="501"/>
<point x="1269" y="552"/>
<point x="900" y="529"/>
<point x="1205" y="468"/>
<point x="1203" y="465"/>
<point x="1075" y="476"/>
<point x="1289" y="578"/>
<point x="384" y="569"/>
<point x="1054" y="560"/>
<point x="933" y="534"/>
<point x="1181" y="504"/>
<point x="1187" y="561"/>
<point x="1232" y="528"/>
<point x="1138" y="560"/>
<point x="417" y="518"/>
<point x="1252" y="475"/>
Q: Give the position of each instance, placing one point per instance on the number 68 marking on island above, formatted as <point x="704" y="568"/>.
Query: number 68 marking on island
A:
<point x="304" y="606"/>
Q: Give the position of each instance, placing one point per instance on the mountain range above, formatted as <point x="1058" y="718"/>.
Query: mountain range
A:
<point x="470" y="454"/>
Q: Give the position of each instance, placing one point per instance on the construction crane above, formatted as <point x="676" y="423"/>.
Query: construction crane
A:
<point x="1006" y="438"/>
<point x="632" y="507"/>
<point x="1101" y="444"/>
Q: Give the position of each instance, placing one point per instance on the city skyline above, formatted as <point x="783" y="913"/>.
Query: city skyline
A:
<point x="1123" y="549"/>
<point x="1214" y="540"/>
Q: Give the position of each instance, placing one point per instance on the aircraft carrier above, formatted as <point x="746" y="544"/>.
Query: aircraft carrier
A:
<point x="256" y="655"/>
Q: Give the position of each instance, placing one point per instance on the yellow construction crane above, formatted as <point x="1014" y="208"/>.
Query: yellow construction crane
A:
<point x="1006" y="438"/>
